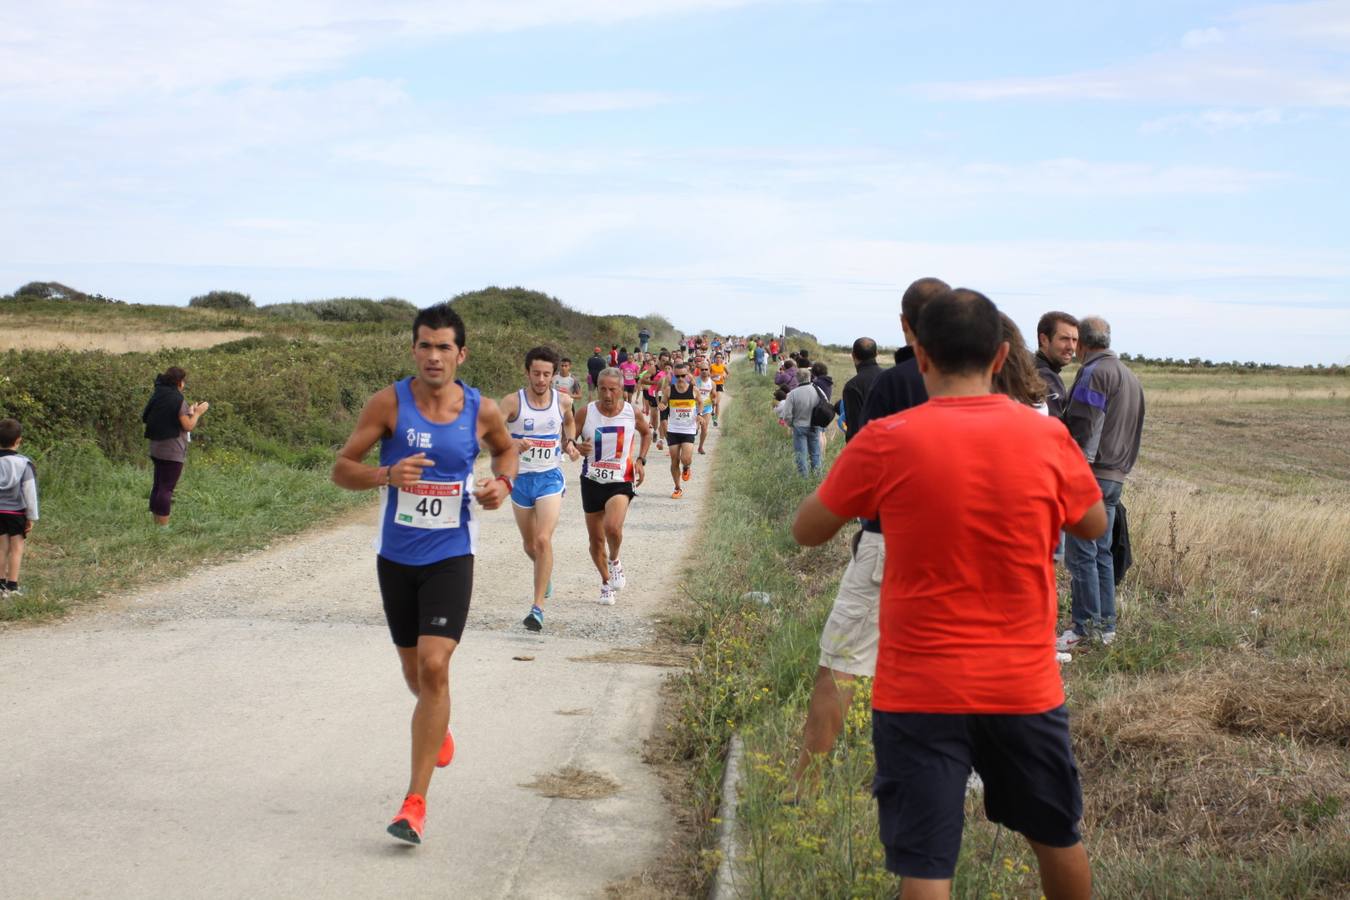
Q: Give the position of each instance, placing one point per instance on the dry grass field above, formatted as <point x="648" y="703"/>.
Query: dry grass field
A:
<point x="140" y="341"/>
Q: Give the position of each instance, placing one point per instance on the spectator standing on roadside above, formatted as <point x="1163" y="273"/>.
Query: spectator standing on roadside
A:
<point x="848" y="642"/>
<point x="773" y="349"/>
<point x="18" y="505"/>
<point x="857" y="387"/>
<point x="761" y="360"/>
<point x="169" y="423"/>
<point x="1019" y="378"/>
<point x="1106" y="417"/>
<point x="820" y="377"/>
<point x="797" y="409"/>
<point x="1057" y="342"/>
<point x="971" y="489"/>
<point x="644" y="338"/>
<point x="594" y="366"/>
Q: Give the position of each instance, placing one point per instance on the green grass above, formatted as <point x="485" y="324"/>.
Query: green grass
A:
<point x="96" y="535"/>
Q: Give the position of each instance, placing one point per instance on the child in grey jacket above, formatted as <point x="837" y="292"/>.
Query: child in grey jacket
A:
<point x="18" y="504"/>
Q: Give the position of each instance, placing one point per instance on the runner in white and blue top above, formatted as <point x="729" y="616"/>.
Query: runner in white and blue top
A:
<point x="430" y="428"/>
<point x="540" y="419"/>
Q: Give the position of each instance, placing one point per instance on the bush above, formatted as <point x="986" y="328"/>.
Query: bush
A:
<point x="228" y="300"/>
<point x="345" y="309"/>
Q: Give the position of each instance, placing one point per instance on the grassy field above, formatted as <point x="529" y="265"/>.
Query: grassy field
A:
<point x="1213" y="737"/>
<point x="284" y="390"/>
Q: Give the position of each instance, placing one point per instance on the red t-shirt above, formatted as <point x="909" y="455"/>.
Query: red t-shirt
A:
<point x="971" y="493"/>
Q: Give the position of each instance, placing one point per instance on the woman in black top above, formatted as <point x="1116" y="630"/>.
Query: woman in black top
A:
<point x="168" y="421"/>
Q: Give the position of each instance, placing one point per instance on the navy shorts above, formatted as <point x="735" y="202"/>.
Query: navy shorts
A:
<point x="924" y="761"/>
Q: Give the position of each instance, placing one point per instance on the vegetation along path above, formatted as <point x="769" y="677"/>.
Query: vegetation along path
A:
<point x="241" y="731"/>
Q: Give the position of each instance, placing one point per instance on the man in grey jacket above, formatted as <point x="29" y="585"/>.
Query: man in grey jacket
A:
<point x="797" y="410"/>
<point x="1105" y="415"/>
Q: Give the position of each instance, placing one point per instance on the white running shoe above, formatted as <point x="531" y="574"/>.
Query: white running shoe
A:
<point x="606" y="595"/>
<point x="1108" y="637"/>
<point x="1069" y="640"/>
<point x="616" y="579"/>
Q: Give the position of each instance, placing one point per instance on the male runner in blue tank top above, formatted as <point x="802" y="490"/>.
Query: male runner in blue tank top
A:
<point x="430" y="428"/>
<point x="539" y="418"/>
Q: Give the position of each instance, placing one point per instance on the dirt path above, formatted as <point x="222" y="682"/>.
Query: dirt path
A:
<point x="243" y="731"/>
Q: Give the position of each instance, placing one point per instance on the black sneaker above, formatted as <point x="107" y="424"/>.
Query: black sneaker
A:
<point x="535" y="620"/>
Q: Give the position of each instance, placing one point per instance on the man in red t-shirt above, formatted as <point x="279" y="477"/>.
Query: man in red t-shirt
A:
<point x="972" y="490"/>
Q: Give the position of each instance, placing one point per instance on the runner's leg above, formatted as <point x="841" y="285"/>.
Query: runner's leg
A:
<point x="616" y="510"/>
<point x="595" y="531"/>
<point x="675" y="453"/>
<point x="431" y="716"/>
<point x="546" y="513"/>
<point x="687" y="455"/>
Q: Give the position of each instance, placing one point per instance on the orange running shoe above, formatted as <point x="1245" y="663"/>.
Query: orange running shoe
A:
<point x="684" y="476"/>
<point x="676" y="494"/>
<point x="447" y="751"/>
<point x="411" y="819"/>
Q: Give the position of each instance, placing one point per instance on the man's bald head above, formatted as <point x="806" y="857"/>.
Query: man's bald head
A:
<point x="864" y="350"/>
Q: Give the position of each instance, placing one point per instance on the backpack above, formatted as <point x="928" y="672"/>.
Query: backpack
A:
<point x="823" y="413"/>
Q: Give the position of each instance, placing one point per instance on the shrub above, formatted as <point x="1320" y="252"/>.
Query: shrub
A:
<point x="228" y="300"/>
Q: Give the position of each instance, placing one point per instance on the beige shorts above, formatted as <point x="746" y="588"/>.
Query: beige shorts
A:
<point x="848" y="642"/>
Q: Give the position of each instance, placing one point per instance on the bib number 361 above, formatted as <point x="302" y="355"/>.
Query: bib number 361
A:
<point x="430" y="504"/>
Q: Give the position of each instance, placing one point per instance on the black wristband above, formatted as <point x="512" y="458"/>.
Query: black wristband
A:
<point x="642" y="459"/>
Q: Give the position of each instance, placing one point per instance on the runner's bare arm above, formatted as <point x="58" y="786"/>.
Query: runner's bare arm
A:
<point x="644" y="428"/>
<point x="569" y="428"/>
<point x="584" y="447"/>
<point x="815" y="524"/>
<point x="491" y="492"/>
<point x="377" y="420"/>
<point x="1092" y="525"/>
<point x="510" y="407"/>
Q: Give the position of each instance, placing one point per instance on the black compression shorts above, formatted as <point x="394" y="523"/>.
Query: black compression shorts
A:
<point x="595" y="495"/>
<point x="431" y="599"/>
<point x="674" y="438"/>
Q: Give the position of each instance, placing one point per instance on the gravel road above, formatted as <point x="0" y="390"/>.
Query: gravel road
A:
<point x="243" y="730"/>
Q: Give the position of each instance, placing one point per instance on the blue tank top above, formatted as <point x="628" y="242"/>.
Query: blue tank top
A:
<point x="433" y="520"/>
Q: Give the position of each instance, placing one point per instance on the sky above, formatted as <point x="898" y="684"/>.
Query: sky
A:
<point x="1178" y="167"/>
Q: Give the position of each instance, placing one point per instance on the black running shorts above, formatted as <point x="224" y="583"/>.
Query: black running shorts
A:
<point x="721" y="388"/>
<point x="595" y="495"/>
<point x="12" y="525"/>
<point x="675" y="438"/>
<point x="431" y="599"/>
<point x="924" y="760"/>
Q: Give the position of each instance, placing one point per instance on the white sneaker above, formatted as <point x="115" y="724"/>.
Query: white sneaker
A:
<point x="616" y="579"/>
<point x="1068" y="640"/>
<point x="606" y="595"/>
<point x="1108" y="637"/>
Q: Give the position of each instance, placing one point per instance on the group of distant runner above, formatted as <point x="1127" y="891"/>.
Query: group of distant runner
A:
<point x="430" y="428"/>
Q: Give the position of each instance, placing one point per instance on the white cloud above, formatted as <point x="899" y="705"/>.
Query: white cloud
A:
<point x="1202" y="37"/>
<point x="1215" y="120"/>
<point x="1262" y="60"/>
<point x="80" y="51"/>
<point x="591" y="101"/>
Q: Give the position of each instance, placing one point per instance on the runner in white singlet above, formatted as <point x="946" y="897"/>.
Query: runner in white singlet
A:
<point x="540" y="421"/>
<point x="609" y="474"/>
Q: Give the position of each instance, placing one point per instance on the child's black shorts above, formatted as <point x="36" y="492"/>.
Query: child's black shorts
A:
<point x="924" y="761"/>
<point x="12" y="525"/>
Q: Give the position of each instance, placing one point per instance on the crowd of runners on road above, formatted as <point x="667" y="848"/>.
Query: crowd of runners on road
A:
<point x="430" y="428"/>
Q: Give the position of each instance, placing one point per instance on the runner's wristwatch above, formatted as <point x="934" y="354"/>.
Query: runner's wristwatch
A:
<point x="642" y="459"/>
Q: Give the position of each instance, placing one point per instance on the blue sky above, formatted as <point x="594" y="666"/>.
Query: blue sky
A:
<point x="1177" y="167"/>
